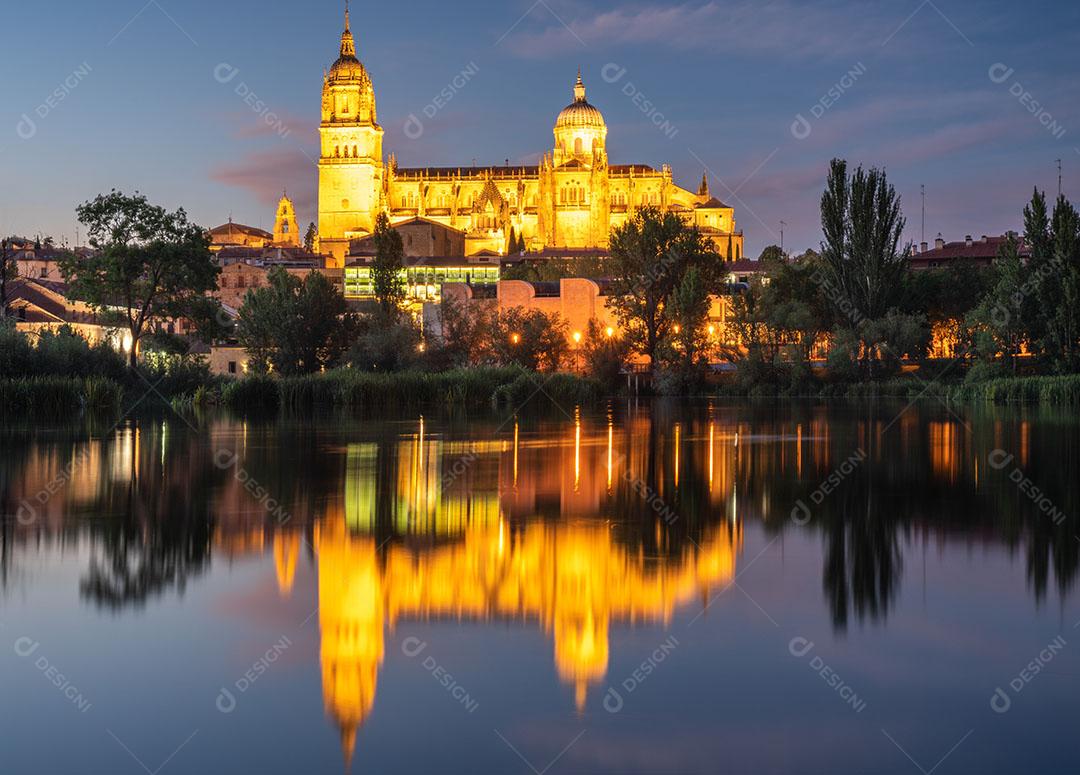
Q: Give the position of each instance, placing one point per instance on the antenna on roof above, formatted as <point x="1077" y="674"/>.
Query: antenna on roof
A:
<point x="922" y="234"/>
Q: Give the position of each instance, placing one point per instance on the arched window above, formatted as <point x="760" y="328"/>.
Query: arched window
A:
<point x="354" y="153"/>
<point x="577" y="145"/>
<point x="562" y="196"/>
<point x="337" y="151"/>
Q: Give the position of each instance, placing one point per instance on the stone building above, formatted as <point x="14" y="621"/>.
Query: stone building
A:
<point x="572" y="198"/>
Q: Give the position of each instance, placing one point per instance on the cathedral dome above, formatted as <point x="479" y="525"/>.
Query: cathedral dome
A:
<point x="579" y="113"/>
<point x="347" y="67"/>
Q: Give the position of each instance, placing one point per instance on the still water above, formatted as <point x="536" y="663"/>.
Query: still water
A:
<point x="642" y="588"/>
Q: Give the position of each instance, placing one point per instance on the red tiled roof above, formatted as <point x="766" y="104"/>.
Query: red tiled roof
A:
<point x="983" y="250"/>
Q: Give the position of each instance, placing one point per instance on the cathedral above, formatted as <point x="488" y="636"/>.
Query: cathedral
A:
<point x="572" y="199"/>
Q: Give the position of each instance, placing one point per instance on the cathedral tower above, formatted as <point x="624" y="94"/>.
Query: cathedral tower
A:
<point x="580" y="131"/>
<point x="286" y="230"/>
<point x="350" y="161"/>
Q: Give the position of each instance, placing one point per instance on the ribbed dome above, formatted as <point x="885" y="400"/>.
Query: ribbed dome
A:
<point x="349" y="68"/>
<point x="579" y="113"/>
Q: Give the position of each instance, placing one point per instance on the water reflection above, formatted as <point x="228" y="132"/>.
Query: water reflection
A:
<point x="571" y="580"/>
<point x="568" y="526"/>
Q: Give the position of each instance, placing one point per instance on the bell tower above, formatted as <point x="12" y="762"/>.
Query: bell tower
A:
<point x="286" y="230"/>
<point x="350" y="159"/>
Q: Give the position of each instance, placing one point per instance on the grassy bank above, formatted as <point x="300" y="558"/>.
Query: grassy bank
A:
<point x="354" y="389"/>
<point x="56" y="397"/>
<point x="1052" y="391"/>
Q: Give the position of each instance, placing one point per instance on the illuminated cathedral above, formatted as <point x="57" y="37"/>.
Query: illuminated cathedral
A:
<point x="572" y="199"/>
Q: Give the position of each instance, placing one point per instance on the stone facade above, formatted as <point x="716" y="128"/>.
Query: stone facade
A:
<point x="572" y="198"/>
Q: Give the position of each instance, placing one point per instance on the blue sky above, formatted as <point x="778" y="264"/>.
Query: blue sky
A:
<point x="940" y="92"/>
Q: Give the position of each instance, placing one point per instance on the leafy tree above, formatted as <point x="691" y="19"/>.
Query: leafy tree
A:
<point x="772" y="253"/>
<point x="751" y="329"/>
<point x="8" y="273"/>
<point x="462" y="333"/>
<point x="684" y="353"/>
<point x="1058" y="267"/>
<point x="309" y="237"/>
<point x="862" y="224"/>
<point x="209" y="319"/>
<point x="148" y="263"/>
<point x="385" y="346"/>
<point x="296" y="326"/>
<point x="529" y="338"/>
<point x="389" y="285"/>
<point x="604" y="353"/>
<point x="1006" y="313"/>
<point x="793" y="303"/>
<point x="650" y="253"/>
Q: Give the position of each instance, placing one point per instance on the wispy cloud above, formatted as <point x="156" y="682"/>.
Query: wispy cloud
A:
<point x="265" y="174"/>
<point x="739" y="26"/>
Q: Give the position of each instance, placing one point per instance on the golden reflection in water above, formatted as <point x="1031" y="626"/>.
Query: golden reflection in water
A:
<point x="573" y="580"/>
<point x="944" y="450"/>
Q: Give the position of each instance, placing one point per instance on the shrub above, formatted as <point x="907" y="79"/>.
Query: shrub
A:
<point x="15" y="351"/>
<point x="257" y="391"/>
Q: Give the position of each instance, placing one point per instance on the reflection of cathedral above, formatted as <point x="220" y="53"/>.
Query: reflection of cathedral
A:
<point x="571" y="199"/>
<point x="573" y="581"/>
<point x="571" y="577"/>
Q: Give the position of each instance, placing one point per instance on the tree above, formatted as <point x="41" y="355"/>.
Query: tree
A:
<point x="1059" y="286"/>
<point x="1006" y="314"/>
<point x="386" y="275"/>
<point x="383" y="346"/>
<point x="793" y="303"/>
<point x="309" y="238"/>
<point x="296" y="326"/>
<point x="604" y="353"/>
<point x="683" y="355"/>
<point x="8" y="272"/>
<point x="772" y="253"/>
<point x="463" y="327"/>
<point x="147" y="264"/>
<point x="864" y="264"/>
<point x="650" y="253"/>
<point x="529" y="338"/>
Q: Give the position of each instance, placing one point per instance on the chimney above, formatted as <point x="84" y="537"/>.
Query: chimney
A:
<point x="984" y="239"/>
<point x="923" y="247"/>
<point x="967" y="239"/>
<point x="939" y="243"/>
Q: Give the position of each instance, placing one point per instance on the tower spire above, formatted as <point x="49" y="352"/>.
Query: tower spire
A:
<point x="348" y="46"/>
<point x="579" y="88"/>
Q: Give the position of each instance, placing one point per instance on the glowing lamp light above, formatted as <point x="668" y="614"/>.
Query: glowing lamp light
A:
<point x="577" y="337"/>
<point x="515" y="338"/>
<point x="677" y="328"/>
<point x="610" y="332"/>
<point x="712" y="330"/>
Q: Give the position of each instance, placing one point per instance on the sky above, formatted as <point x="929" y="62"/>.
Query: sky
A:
<point x="214" y="106"/>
